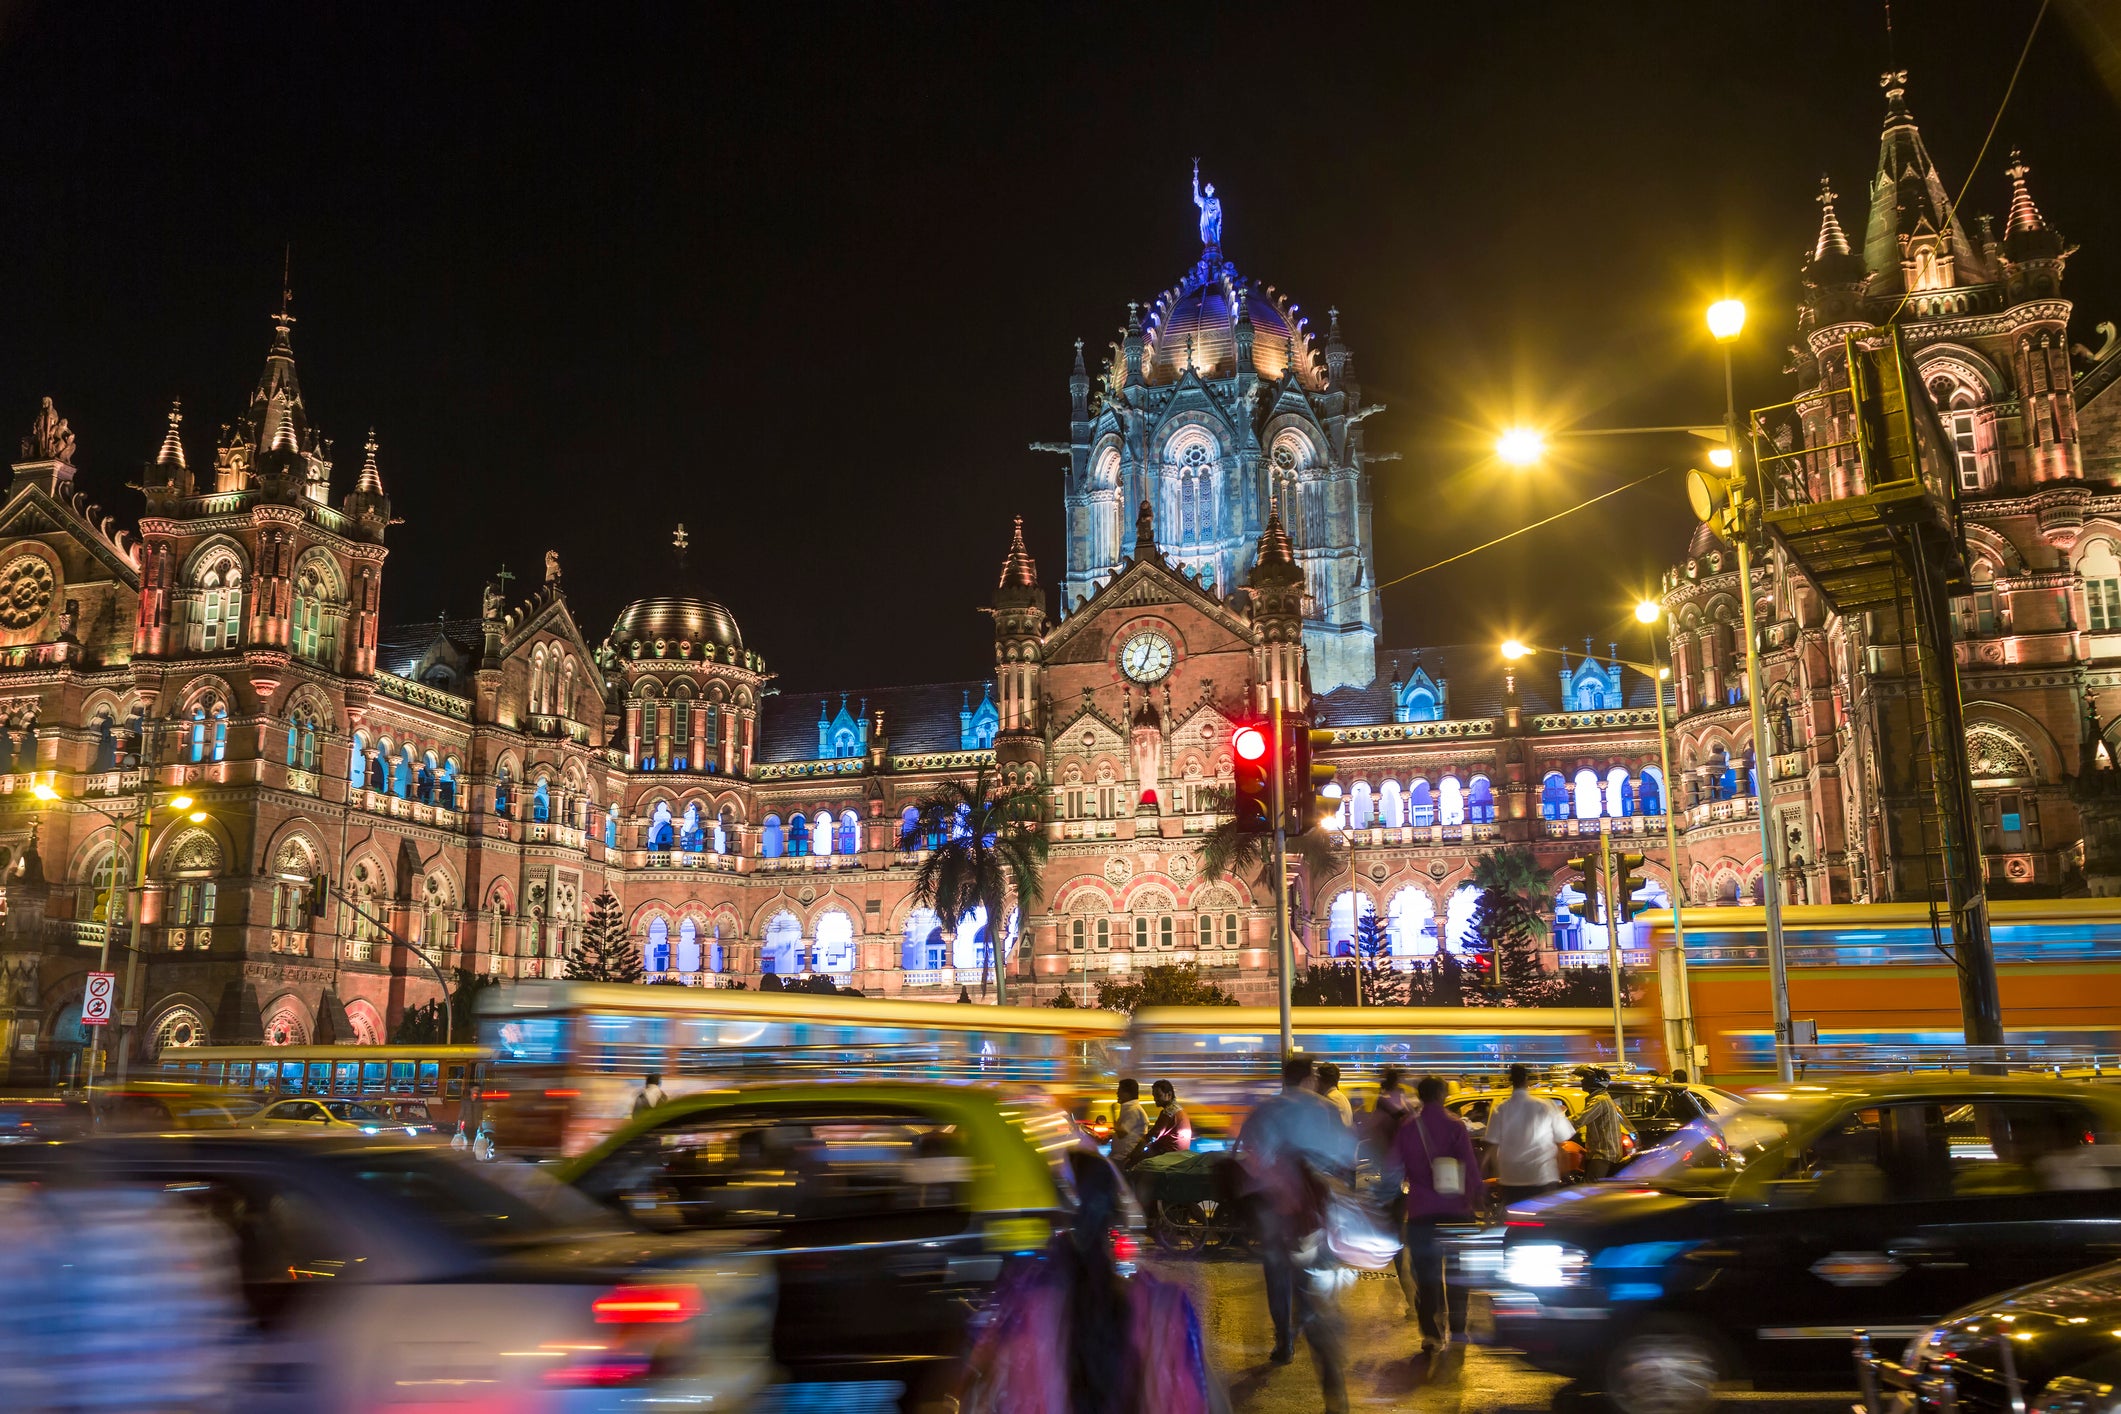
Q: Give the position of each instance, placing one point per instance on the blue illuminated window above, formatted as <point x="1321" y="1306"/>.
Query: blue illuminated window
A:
<point x="541" y="804"/>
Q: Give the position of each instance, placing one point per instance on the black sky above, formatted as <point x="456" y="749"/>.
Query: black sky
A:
<point x="806" y="278"/>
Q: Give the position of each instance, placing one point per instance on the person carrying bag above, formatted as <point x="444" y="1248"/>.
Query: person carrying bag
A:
<point x="1434" y="1151"/>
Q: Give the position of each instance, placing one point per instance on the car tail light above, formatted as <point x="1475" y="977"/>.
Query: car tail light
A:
<point x="600" y="1371"/>
<point x="1124" y="1247"/>
<point x="648" y="1305"/>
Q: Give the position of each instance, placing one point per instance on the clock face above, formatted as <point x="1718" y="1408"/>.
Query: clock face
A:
<point x="1146" y="657"/>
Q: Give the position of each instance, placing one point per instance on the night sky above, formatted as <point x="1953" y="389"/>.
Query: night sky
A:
<point x="807" y="278"/>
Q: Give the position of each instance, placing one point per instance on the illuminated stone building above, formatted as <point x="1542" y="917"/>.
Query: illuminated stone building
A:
<point x="2035" y="428"/>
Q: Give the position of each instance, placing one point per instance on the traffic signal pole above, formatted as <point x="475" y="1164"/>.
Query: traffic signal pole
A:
<point x="1284" y="951"/>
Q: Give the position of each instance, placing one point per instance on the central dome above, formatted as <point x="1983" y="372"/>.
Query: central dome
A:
<point x="675" y="621"/>
<point x="1196" y="320"/>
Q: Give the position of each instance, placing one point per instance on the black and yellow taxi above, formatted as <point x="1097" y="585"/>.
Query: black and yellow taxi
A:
<point x="890" y="1210"/>
<point x="1754" y="1244"/>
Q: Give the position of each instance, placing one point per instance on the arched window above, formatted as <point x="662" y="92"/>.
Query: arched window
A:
<point x="611" y="827"/>
<point x="693" y="838"/>
<point x="717" y="959"/>
<point x="1420" y="706"/>
<point x="1450" y="802"/>
<point x="1649" y="796"/>
<point x="446" y="788"/>
<point x="781" y="954"/>
<point x="922" y="946"/>
<point x="908" y="821"/>
<point x="2101" y="568"/>
<point x="1588" y="795"/>
<point x="99" y="899"/>
<point x="1410" y="922"/>
<point x="1480" y="801"/>
<point x="1341" y="919"/>
<point x="661" y="832"/>
<point x="834" y="946"/>
<point x="725" y="830"/>
<point x="541" y="803"/>
<point x="1421" y="806"/>
<point x="1391" y="808"/>
<point x="106" y="758"/>
<point x="1553" y="797"/>
<point x="1338" y="820"/>
<point x="217" y="614"/>
<point x="1619" y="793"/>
<point x="798" y="835"/>
<point x="1359" y="806"/>
<point x="822" y="832"/>
<point x="771" y="845"/>
<point x="503" y="800"/>
<point x="688" y="946"/>
<point x="315" y="625"/>
<point x="657" y="953"/>
<point x="850" y="832"/>
<point x="357" y="761"/>
<point x="1458" y="917"/>
<point x="198" y="734"/>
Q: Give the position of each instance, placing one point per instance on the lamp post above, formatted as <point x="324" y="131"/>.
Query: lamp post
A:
<point x="1740" y="522"/>
<point x="1514" y="650"/>
<point x="142" y="834"/>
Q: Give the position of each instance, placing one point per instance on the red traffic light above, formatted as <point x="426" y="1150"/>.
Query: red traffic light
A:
<point x="1250" y="744"/>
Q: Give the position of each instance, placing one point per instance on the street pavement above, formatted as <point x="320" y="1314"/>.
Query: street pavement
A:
<point x="1386" y="1367"/>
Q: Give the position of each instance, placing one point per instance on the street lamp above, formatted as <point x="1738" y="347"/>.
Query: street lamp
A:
<point x="1520" y="446"/>
<point x="1729" y="503"/>
<point x="1647" y="613"/>
<point x="178" y="804"/>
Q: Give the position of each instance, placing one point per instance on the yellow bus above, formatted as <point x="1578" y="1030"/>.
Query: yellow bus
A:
<point x="440" y="1077"/>
<point x="569" y="1058"/>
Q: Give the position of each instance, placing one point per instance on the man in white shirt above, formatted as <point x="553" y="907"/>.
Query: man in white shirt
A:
<point x="1526" y="1133"/>
<point x="1131" y="1124"/>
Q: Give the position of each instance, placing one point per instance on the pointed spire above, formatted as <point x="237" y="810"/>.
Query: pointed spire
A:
<point x="1275" y="560"/>
<point x="1907" y="199"/>
<point x="1019" y="570"/>
<point x="1336" y="351"/>
<point x="279" y="432"/>
<point x="1832" y="239"/>
<point x="2024" y="215"/>
<point x="172" y="453"/>
<point x="371" y="482"/>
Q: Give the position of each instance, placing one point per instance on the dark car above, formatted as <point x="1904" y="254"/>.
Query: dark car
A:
<point x="39" y="1119"/>
<point x="329" y="1271"/>
<point x="2049" y="1348"/>
<point x="891" y="1210"/>
<point x="1754" y="1245"/>
<point x="1658" y="1109"/>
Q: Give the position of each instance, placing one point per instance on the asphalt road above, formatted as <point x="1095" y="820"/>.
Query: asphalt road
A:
<point x="1386" y="1368"/>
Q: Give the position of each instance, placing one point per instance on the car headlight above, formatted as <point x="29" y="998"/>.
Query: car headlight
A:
<point x="2069" y="1394"/>
<point x="1542" y="1264"/>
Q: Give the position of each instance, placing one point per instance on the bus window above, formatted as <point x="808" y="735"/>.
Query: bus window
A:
<point x="453" y="1081"/>
<point x="429" y="1070"/>
<point x="239" y="1075"/>
<point x="319" y="1077"/>
<point x="290" y="1077"/>
<point x="372" y="1075"/>
<point x="533" y="1040"/>
<point x="210" y="1072"/>
<point x="401" y="1077"/>
<point x="345" y="1077"/>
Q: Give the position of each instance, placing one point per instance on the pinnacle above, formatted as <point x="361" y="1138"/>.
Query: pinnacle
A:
<point x="2024" y="216"/>
<point x="371" y="482"/>
<point x="1832" y="239"/>
<point x="1019" y="570"/>
<point x="172" y="453"/>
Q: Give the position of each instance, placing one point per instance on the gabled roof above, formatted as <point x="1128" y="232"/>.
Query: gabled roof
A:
<point x="401" y="647"/>
<point x="31" y="510"/>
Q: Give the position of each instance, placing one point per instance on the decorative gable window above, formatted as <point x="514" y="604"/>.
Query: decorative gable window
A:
<point x="976" y="726"/>
<point x="217" y="609"/>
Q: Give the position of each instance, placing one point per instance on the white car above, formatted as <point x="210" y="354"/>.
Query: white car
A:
<point x="343" y="1273"/>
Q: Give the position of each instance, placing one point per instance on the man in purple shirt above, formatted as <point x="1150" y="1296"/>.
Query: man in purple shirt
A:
<point x="1434" y="1153"/>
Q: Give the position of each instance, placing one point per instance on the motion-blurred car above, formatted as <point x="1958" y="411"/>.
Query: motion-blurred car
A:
<point x="1755" y="1244"/>
<point x="38" y="1119"/>
<point x="2048" y="1348"/>
<point x="373" y="1274"/>
<point x="320" y="1116"/>
<point x="1658" y="1109"/>
<point x="163" y="1106"/>
<point x="411" y="1116"/>
<point x="891" y="1209"/>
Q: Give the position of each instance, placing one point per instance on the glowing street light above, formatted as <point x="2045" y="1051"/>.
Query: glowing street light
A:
<point x="1726" y="319"/>
<point x="43" y="792"/>
<point x="1648" y="612"/>
<point x="1513" y="650"/>
<point x="1721" y="458"/>
<point x="1520" y="446"/>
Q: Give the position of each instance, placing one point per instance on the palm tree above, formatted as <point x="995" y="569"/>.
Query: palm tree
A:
<point x="983" y="845"/>
<point x="1509" y="919"/>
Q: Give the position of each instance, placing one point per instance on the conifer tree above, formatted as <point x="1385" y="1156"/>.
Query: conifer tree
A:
<point x="604" y="953"/>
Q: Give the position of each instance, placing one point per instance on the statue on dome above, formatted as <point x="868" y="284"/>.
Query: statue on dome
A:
<point x="552" y="567"/>
<point x="1211" y="210"/>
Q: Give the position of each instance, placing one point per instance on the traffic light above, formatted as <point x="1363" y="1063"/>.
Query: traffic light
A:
<point x="1630" y="881"/>
<point x="1252" y="752"/>
<point x="1307" y="776"/>
<point x="1589" y="885"/>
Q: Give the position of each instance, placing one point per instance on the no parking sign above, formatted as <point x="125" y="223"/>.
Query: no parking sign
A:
<point x="95" y="1007"/>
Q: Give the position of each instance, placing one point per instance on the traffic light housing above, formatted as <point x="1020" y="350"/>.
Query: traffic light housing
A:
<point x="1307" y="775"/>
<point x="1631" y="879"/>
<point x="1252" y="754"/>
<point x="1588" y="884"/>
